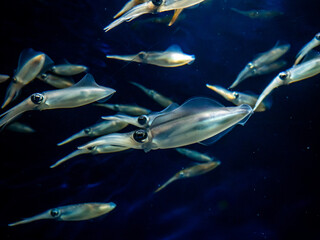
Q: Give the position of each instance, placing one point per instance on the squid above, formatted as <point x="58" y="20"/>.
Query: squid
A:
<point x="152" y="6"/>
<point x="30" y="64"/>
<point x="259" y="14"/>
<point x="84" y="92"/>
<point x="131" y="110"/>
<point x="296" y="73"/>
<point x="98" y="129"/>
<point x="142" y="121"/>
<point x="264" y="58"/>
<point x="172" y="57"/>
<point x="55" y="80"/>
<point x="307" y="48"/>
<point x="197" y="120"/>
<point x="68" y="69"/>
<point x="157" y="97"/>
<point x="194" y="155"/>
<point x="192" y="171"/>
<point x="239" y="98"/>
<point x="76" y="212"/>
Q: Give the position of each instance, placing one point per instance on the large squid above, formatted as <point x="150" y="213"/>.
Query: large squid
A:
<point x="84" y="92"/>
<point x="197" y="120"/>
<point x="153" y="6"/>
<point x="76" y="212"/>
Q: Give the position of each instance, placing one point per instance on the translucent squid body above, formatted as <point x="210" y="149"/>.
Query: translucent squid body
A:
<point x="296" y="73"/>
<point x="20" y="128"/>
<point x="68" y="69"/>
<point x="197" y="156"/>
<point x="132" y="110"/>
<point x="55" y="80"/>
<point x="84" y="92"/>
<point x="98" y="129"/>
<point x="265" y="58"/>
<point x="77" y="212"/>
<point x="152" y="6"/>
<point x="239" y="98"/>
<point x="157" y="97"/>
<point x="172" y="57"/>
<point x="31" y="63"/>
<point x="310" y="45"/>
<point x="193" y="171"/>
<point x="259" y="14"/>
<point x="197" y="120"/>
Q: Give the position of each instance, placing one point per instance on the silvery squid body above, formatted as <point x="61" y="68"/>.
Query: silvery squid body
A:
<point x="152" y="6"/>
<point x="307" y="48"/>
<point x="30" y="64"/>
<point x="172" y="57"/>
<point x="265" y="58"/>
<point x="197" y="120"/>
<point x="84" y="92"/>
<point x="77" y="212"/>
<point x="296" y="73"/>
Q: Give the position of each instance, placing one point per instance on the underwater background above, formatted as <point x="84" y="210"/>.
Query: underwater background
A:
<point x="267" y="185"/>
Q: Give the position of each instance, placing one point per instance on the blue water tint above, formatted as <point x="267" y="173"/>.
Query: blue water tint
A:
<point x="267" y="184"/>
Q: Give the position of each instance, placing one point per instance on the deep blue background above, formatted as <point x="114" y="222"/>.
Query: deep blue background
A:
<point x="267" y="186"/>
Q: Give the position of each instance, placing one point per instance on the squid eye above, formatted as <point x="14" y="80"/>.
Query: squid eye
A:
<point x="318" y="36"/>
<point x="157" y="2"/>
<point x="283" y="75"/>
<point x="37" y="98"/>
<point x="55" y="212"/>
<point x="15" y="80"/>
<point x="87" y="130"/>
<point x="44" y="76"/>
<point x="140" y="135"/>
<point x="91" y="148"/>
<point x="181" y="174"/>
<point x="235" y="94"/>
<point x="143" y="119"/>
<point x="142" y="55"/>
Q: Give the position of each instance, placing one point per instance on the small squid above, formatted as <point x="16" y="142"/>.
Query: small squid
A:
<point x="31" y="63"/>
<point x="307" y="48"/>
<point x="84" y="92"/>
<point x="192" y="171"/>
<point x="76" y="212"/>
<point x="172" y="57"/>
<point x="264" y="58"/>
<point x="296" y="73"/>
<point x="153" y="6"/>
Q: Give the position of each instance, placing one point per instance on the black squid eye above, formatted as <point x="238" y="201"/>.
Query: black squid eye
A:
<point x="140" y="135"/>
<point x="91" y="148"/>
<point x="142" y="55"/>
<point x="142" y="120"/>
<point x="157" y="2"/>
<point x="235" y="94"/>
<point x="37" y="98"/>
<point x="283" y="75"/>
<point x="44" y="76"/>
<point x="318" y="36"/>
<point x="87" y="130"/>
<point x="55" y="212"/>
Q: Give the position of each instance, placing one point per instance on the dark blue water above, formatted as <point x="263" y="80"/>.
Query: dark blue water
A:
<point x="267" y="184"/>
